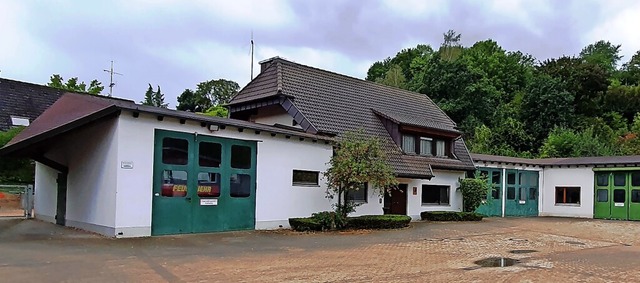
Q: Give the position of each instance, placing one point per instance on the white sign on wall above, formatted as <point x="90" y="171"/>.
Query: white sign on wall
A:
<point x="126" y="164"/>
<point x="209" y="201"/>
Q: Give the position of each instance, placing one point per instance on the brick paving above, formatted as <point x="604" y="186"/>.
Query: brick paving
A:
<point x="559" y="250"/>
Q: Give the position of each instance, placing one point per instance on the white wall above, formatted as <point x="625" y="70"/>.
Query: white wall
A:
<point x="90" y="155"/>
<point x="571" y="177"/>
<point x="46" y="190"/>
<point x="276" y="198"/>
<point x="446" y="178"/>
<point x="272" y="115"/>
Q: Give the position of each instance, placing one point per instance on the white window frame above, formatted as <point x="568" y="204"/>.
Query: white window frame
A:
<point x="409" y="137"/>
<point x="430" y="153"/>
<point x="441" y="144"/>
<point x="305" y="184"/>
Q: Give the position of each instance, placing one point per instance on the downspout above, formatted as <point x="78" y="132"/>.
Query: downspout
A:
<point x="504" y="189"/>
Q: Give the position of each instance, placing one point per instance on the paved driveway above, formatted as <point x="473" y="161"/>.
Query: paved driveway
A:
<point x="547" y="249"/>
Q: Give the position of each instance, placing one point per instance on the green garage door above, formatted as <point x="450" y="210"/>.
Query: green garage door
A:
<point x="521" y="193"/>
<point x="492" y="204"/>
<point x="202" y="184"/>
<point x="617" y="195"/>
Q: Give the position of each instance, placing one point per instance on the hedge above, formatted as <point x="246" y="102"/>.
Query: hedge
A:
<point x="359" y="222"/>
<point x="450" y="216"/>
<point x="388" y="221"/>
<point x="305" y="224"/>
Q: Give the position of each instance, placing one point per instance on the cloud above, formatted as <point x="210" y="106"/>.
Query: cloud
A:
<point x="176" y="44"/>
<point x="620" y="28"/>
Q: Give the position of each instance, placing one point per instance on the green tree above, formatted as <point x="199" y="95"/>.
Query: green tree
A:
<point x="450" y="48"/>
<point x="630" y="73"/>
<point x="357" y="160"/>
<point x="207" y="94"/>
<point x="603" y="54"/>
<point x="546" y="105"/>
<point x="569" y="143"/>
<point x="394" y="77"/>
<point x="154" y="98"/>
<point x="56" y="81"/>
<point x="217" y="111"/>
<point x="15" y="170"/>
<point x="586" y="81"/>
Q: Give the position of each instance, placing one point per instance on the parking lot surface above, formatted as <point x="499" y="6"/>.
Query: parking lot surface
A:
<point x="540" y="249"/>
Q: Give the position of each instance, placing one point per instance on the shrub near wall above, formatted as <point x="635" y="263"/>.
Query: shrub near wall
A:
<point x="450" y="216"/>
<point x="315" y="222"/>
<point x="378" y="222"/>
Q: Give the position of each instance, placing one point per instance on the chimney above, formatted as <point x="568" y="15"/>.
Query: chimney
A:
<point x="264" y="64"/>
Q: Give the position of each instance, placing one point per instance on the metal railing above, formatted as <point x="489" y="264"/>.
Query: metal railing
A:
<point x="26" y="195"/>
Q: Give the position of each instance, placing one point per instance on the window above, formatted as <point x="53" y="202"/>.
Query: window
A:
<point x="602" y="180"/>
<point x="635" y="196"/>
<point x="305" y="178"/>
<point x="635" y="179"/>
<point x="174" y="183"/>
<point x="495" y="177"/>
<point x="533" y="193"/>
<point x="240" y="157"/>
<point x="408" y="144"/>
<point x="426" y="146"/>
<point x="208" y="184"/>
<point x="603" y="195"/>
<point x="511" y="178"/>
<point x="210" y="154"/>
<point x="619" y="179"/>
<point x="359" y="196"/>
<point x="619" y="195"/>
<point x="511" y="193"/>
<point x="240" y="185"/>
<point x="566" y="195"/>
<point x="440" y="148"/>
<point x="438" y="195"/>
<point x="19" y="121"/>
<point x="175" y="151"/>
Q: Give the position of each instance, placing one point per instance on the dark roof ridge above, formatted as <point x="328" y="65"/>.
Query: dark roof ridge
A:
<point x="404" y="91"/>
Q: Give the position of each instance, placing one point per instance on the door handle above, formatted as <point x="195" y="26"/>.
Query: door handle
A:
<point x="188" y="199"/>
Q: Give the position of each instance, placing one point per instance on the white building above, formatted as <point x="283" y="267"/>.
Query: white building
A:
<point x="126" y="170"/>
<point x="587" y="187"/>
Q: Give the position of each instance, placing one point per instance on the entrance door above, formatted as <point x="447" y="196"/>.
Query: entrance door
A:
<point x="634" y="205"/>
<point x="173" y="183"/>
<point x="202" y="184"/>
<point x="492" y="204"/>
<point x="395" y="202"/>
<point x="61" y="203"/>
<point x="620" y="204"/>
<point x="225" y="198"/>
<point x="602" y="206"/>
<point x="521" y="193"/>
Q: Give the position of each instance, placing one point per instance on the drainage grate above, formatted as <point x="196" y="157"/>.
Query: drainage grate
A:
<point x="522" y="251"/>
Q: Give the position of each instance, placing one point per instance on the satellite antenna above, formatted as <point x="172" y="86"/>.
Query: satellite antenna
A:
<point x="111" y="83"/>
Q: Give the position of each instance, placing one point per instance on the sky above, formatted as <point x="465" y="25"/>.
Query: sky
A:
<point x="176" y="44"/>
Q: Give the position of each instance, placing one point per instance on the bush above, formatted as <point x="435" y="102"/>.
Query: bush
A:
<point x="473" y="191"/>
<point x="450" y="216"/>
<point x="305" y="224"/>
<point x="378" y="221"/>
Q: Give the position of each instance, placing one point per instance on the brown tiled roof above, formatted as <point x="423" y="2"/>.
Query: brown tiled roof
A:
<point x="418" y="121"/>
<point x="632" y="160"/>
<point x="24" y="100"/>
<point x="74" y="110"/>
<point x="336" y="103"/>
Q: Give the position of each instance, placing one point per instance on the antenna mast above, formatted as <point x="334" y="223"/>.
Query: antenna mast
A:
<point x="252" y="55"/>
<point x="111" y="83"/>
